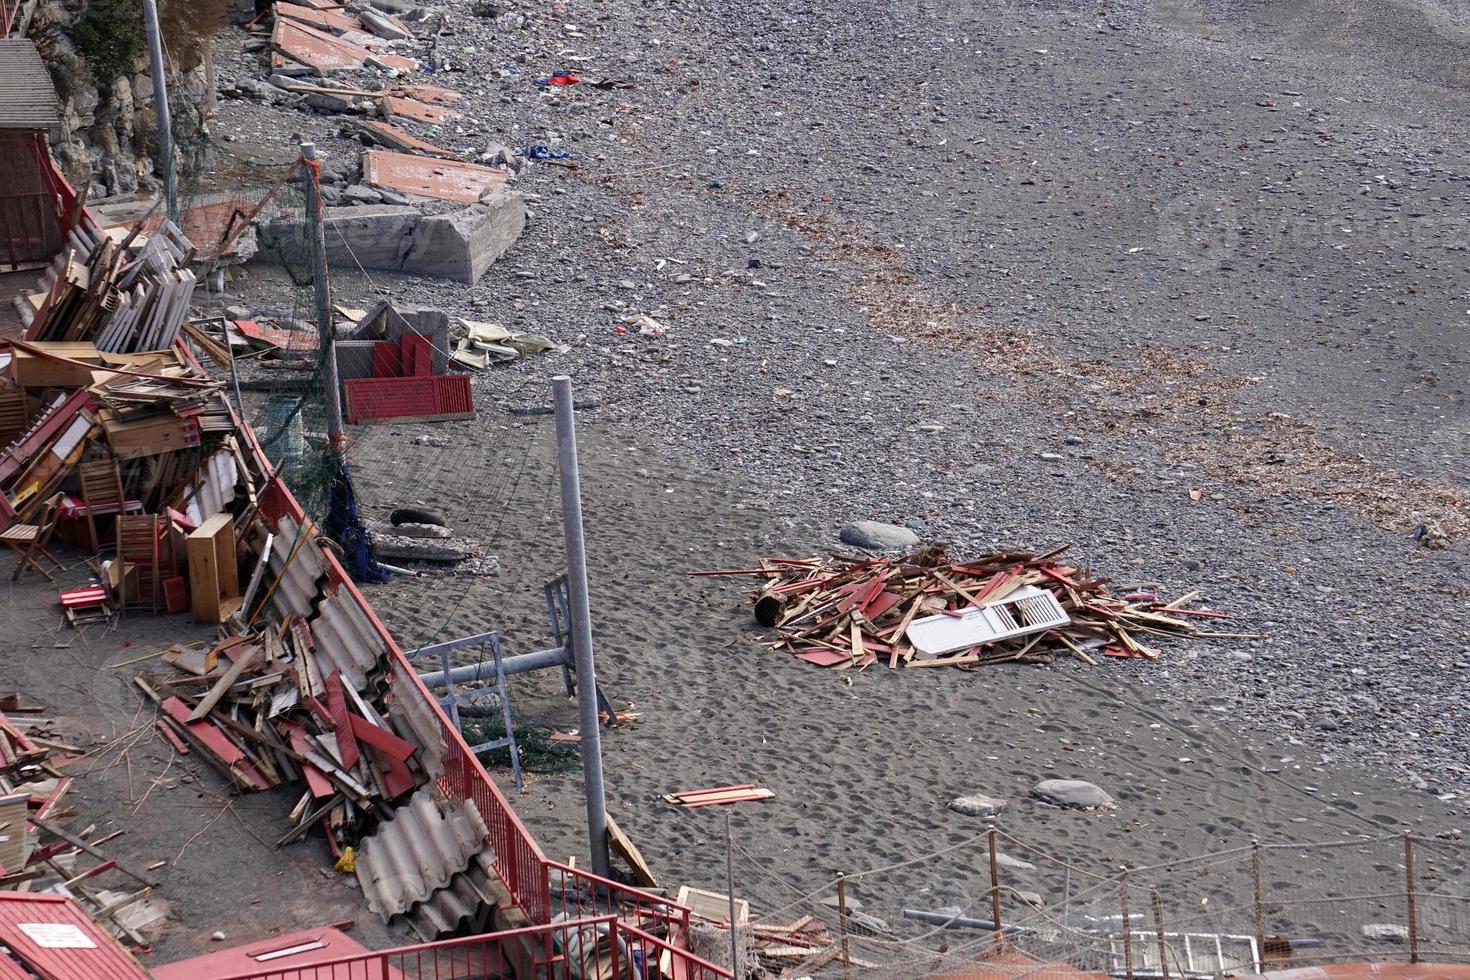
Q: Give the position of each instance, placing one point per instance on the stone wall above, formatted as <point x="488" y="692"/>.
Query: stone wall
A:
<point x="97" y="58"/>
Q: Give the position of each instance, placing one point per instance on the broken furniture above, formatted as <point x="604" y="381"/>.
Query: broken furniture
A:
<point x="140" y="555"/>
<point x="29" y="540"/>
<point x="214" y="574"/>
<point x="100" y="483"/>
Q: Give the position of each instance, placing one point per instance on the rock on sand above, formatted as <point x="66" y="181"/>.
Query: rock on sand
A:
<point x="977" y="805"/>
<point x="877" y="536"/>
<point x="1073" y="794"/>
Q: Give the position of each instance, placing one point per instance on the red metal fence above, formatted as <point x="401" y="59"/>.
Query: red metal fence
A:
<point x="603" y="946"/>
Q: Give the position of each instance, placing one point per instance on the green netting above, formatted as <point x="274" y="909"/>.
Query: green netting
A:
<point x="539" y="753"/>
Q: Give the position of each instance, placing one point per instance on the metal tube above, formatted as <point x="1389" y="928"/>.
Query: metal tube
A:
<point x="958" y="921"/>
<point x="331" y="390"/>
<point x="571" y="507"/>
<point x="485" y="670"/>
<point x="160" y="111"/>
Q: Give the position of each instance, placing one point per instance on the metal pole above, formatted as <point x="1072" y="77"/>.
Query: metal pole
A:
<point x="1256" y="898"/>
<point x="995" y="889"/>
<point x="735" y="970"/>
<point x="1127" y="929"/>
<point x="160" y="111"/>
<point x="332" y="395"/>
<point x="1159" y="930"/>
<point x="1412" y="898"/>
<point x="842" y="921"/>
<point x="571" y="509"/>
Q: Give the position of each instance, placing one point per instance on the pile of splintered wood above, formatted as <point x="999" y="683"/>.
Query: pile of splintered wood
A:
<point x="845" y="612"/>
<point x="257" y="707"/>
<point x="38" y="854"/>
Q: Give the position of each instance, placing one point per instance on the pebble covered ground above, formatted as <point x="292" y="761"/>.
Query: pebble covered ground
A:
<point x="1180" y="282"/>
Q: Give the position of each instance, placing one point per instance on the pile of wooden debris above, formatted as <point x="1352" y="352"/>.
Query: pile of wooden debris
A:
<point x="38" y="854"/>
<point x="926" y="610"/>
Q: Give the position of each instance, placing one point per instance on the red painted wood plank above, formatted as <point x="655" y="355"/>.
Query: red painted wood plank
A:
<point x="381" y="739"/>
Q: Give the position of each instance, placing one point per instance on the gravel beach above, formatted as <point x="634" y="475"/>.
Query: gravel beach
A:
<point x="1180" y="283"/>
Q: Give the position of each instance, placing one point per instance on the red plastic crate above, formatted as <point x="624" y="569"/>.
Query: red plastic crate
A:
<point x="416" y="354"/>
<point x="389" y="399"/>
<point x="387" y="360"/>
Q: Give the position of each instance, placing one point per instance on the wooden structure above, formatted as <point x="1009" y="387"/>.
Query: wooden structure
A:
<point x="214" y="574"/>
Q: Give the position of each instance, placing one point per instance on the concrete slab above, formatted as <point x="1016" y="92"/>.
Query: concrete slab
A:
<point x="462" y="245"/>
<point x="441" y="180"/>
<point x="379" y="236"/>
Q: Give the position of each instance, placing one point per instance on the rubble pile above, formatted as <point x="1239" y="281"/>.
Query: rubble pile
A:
<point x="927" y="610"/>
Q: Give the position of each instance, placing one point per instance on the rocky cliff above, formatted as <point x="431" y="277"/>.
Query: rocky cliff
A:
<point x="97" y="53"/>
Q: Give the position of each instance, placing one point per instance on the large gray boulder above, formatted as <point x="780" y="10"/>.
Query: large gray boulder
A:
<point x="877" y="536"/>
<point x="1073" y="794"/>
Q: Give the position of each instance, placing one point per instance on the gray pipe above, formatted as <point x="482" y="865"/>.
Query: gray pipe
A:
<point x="960" y="921"/>
<point x="161" y="113"/>
<point x="521" y="663"/>
<point x="571" y="510"/>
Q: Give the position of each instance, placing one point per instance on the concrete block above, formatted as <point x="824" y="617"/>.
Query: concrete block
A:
<point x="463" y="244"/>
<point x="379" y="236"/>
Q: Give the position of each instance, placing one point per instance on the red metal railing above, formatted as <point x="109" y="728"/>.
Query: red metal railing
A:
<point x="602" y="946"/>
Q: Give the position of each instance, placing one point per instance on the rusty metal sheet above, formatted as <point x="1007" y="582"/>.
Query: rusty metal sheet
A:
<point x="441" y="180"/>
<point x="326" y="20"/>
<point x="315" y="48"/>
<point x="434" y="115"/>
<point x="395" y="61"/>
<point x="401" y="139"/>
<point x="427" y="93"/>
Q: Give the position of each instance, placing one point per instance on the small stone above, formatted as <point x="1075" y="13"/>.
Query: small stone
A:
<point x="1052" y="457"/>
<point x="853" y="905"/>
<point x="1013" y="863"/>
<point x="863" y="922"/>
<point x="1385" y="932"/>
<point x="1073" y="794"/>
<point x="219" y="936"/>
<point x="877" y="536"/>
<point x="977" y="805"/>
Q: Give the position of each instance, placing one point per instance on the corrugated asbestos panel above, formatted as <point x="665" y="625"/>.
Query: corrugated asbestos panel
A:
<point x="442" y="180"/>
<point x="415" y="719"/>
<point x="418" y="851"/>
<point x="27" y="95"/>
<point x="460" y="903"/>
<point x="216" y="487"/>
<point x="298" y="587"/>
<point x="57" y="939"/>
<point x="345" y="641"/>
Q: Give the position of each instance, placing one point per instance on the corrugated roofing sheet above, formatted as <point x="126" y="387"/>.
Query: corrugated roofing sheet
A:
<point x="417" y="852"/>
<point x="59" y="941"/>
<point x="27" y="94"/>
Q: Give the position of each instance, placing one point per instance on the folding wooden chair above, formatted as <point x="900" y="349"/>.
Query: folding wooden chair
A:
<point x="102" y="492"/>
<point x="139" y="551"/>
<point x="29" y="540"/>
